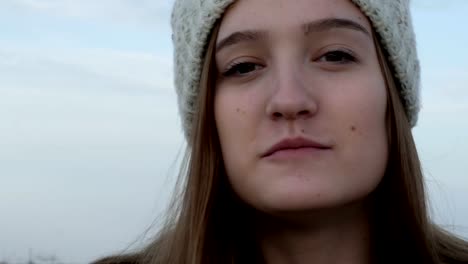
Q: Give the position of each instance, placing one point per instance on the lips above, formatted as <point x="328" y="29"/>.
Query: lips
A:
<point x="295" y="144"/>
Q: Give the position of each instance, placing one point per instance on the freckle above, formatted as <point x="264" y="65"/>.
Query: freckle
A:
<point x="303" y="130"/>
<point x="237" y="110"/>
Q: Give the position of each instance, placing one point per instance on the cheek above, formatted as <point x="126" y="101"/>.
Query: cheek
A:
<point x="235" y="118"/>
<point x="364" y="136"/>
<point x="359" y="106"/>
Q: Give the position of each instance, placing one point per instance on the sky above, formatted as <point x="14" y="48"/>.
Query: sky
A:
<point x="90" y="137"/>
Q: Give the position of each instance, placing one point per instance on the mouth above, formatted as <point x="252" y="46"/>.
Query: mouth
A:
<point x="295" y="147"/>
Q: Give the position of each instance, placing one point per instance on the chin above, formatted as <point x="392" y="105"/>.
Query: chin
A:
<point x="300" y="200"/>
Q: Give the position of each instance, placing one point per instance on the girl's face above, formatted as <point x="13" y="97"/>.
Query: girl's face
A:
<point x="300" y="104"/>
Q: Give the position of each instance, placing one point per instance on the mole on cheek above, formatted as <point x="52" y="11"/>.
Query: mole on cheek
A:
<point x="353" y="128"/>
<point x="240" y="111"/>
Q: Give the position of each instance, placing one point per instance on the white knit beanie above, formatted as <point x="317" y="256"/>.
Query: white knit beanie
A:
<point x="193" y="20"/>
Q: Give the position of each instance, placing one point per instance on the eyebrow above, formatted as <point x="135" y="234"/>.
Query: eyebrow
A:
<point x="332" y="23"/>
<point x="315" y="26"/>
<point x="241" y="36"/>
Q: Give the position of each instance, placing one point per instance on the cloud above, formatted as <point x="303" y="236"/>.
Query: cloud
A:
<point x="92" y="70"/>
<point x="83" y="96"/>
<point x="86" y="133"/>
<point x="143" y="12"/>
<point x="445" y="90"/>
<point x="436" y="5"/>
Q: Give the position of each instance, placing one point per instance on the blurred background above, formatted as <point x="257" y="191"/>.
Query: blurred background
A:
<point x="89" y="131"/>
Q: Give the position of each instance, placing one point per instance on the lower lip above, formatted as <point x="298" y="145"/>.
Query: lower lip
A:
<point x="296" y="153"/>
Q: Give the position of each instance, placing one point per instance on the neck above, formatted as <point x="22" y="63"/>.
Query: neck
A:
<point x="330" y="236"/>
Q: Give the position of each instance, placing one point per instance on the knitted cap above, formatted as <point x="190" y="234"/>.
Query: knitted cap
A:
<point x="193" y="20"/>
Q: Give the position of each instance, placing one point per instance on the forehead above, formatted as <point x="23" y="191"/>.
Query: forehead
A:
<point x="286" y="15"/>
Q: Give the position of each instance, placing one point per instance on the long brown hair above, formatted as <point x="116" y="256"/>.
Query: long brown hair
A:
<point x="208" y="224"/>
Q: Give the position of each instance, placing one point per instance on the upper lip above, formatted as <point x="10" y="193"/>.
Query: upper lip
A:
<point x="294" y="143"/>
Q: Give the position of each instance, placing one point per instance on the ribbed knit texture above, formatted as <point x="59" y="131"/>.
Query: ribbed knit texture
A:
<point x="193" y="20"/>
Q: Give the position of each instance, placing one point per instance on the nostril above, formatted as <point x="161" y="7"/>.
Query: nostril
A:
<point x="303" y="113"/>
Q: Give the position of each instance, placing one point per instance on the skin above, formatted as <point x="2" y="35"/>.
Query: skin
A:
<point x="295" y="83"/>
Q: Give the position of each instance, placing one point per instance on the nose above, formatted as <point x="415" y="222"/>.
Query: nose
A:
<point x="291" y="98"/>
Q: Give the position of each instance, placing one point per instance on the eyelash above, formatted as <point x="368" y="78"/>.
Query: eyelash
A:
<point x="234" y="67"/>
<point x="346" y="55"/>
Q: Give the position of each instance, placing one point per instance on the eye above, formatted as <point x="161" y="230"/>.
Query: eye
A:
<point x="338" y="57"/>
<point x="241" y="69"/>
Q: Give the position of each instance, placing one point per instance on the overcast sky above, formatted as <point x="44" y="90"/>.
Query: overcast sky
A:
<point x="89" y="131"/>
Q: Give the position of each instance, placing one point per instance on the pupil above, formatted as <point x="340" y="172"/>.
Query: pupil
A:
<point x="334" y="57"/>
<point x="246" y="67"/>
